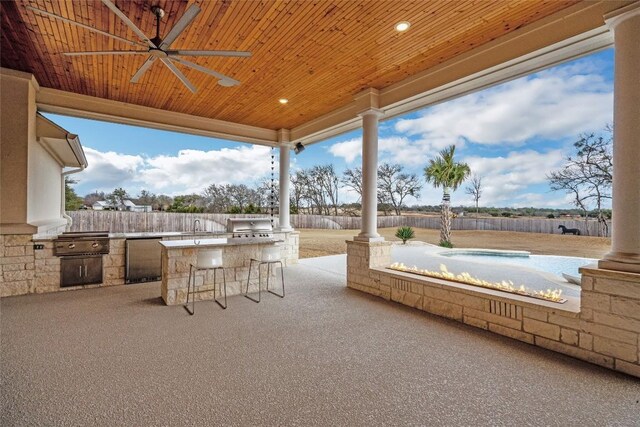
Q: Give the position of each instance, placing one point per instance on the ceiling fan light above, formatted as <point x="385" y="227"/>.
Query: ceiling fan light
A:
<point x="283" y="100"/>
<point x="226" y="82"/>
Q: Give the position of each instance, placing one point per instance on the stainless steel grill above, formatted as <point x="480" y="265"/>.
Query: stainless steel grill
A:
<point x="250" y="228"/>
<point x="81" y="257"/>
<point x="82" y="243"/>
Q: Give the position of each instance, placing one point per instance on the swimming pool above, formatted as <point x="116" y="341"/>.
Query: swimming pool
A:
<point x="548" y="263"/>
<point x="537" y="272"/>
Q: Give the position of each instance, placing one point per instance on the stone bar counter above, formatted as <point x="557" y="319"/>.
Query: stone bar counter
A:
<point x="29" y="264"/>
<point x="178" y="255"/>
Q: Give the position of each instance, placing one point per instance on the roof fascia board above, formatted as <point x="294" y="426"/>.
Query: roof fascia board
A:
<point x="89" y="107"/>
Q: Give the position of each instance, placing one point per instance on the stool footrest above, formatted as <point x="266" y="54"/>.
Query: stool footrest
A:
<point x="192" y="292"/>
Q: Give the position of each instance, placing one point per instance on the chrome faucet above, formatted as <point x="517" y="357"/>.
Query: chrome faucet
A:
<point x="196" y="226"/>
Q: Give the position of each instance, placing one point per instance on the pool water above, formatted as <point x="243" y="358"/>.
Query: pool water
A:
<point x="548" y="263"/>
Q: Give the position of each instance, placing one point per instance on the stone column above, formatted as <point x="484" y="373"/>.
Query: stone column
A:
<point x="285" y="182"/>
<point x="369" y="229"/>
<point x="625" y="238"/>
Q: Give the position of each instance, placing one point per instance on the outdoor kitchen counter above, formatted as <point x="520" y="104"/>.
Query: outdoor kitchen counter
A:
<point x="197" y="243"/>
<point x="178" y="255"/>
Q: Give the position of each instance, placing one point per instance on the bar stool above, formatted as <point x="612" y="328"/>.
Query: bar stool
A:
<point x="270" y="256"/>
<point x="209" y="259"/>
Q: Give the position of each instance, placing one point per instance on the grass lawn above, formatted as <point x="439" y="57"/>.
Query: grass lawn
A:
<point x="315" y="242"/>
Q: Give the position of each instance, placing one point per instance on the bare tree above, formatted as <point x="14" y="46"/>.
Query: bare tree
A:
<point x="394" y="186"/>
<point x="217" y="198"/>
<point x="352" y="178"/>
<point x="474" y="189"/>
<point x="298" y="180"/>
<point x="588" y="175"/>
<point x="146" y="198"/>
<point x="316" y="189"/>
<point x="327" y="181"/>
<point x="96" y="196"/>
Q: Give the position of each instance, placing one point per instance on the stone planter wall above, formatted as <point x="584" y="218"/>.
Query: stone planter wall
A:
<point x="601" y="327"/>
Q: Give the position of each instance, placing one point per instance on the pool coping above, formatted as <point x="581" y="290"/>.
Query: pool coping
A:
<point x="479" y="251"/>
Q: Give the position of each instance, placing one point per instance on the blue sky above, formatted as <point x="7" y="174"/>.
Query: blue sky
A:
<point x="511" y="135"/>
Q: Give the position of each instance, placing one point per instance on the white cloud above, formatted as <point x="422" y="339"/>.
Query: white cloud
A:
<point x="349" y="150"/>
<point x="108" y="170"/>
<point x="556" y="103"/>
<point x="396" y="149"/>
<point x="506" y="179"/>
<point x="193" y="170"/>
<point x="190" y="171"/>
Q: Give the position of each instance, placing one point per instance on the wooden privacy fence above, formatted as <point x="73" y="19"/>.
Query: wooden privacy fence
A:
<point x="125" y="222"/>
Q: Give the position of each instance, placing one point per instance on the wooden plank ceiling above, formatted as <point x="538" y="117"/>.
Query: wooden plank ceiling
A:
<point x="316" y="53"/>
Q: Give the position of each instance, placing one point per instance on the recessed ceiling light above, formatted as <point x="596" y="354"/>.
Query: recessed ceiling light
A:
<point x="403" y="26"/>
<point x="283" y="100"/>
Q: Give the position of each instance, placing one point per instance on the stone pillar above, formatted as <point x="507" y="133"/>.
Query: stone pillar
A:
<point x="369" y="229"/>
<point x="625" y="238"/>
<point x="285" y="182"/>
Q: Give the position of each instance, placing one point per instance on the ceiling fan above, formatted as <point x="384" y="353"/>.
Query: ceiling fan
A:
<point x="157" y="47"/>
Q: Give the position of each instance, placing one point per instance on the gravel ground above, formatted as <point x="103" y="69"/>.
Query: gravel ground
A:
<point x="315" y="243"/>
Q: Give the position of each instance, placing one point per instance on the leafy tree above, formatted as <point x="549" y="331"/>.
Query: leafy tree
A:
<point x="72" y="202"/>
<point x="117" y="198"/>
<point x="587" y="176"/>
<point x="190" y="203"/>
<point x="445" y="172"/>
<point x="474" y="189"/>
<point x="163" y="202"/>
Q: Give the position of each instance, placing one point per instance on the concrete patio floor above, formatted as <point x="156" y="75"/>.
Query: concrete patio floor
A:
<point x="324" y="355"/>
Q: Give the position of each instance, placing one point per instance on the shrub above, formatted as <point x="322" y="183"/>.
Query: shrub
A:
<point x="446" y="244"/>
<point x="551" y="216"/>
<point x="404" y="234"/>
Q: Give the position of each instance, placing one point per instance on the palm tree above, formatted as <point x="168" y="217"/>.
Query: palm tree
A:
<point x="444" y="172"/>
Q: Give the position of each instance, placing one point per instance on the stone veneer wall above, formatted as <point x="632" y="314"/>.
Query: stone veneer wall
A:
<point x="236" y="263"/>
<point x="25" y="270"/>
<point x="604" y="328"/>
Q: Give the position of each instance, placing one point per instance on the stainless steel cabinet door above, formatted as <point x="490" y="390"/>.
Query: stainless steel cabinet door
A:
<point x="71" y="271"/>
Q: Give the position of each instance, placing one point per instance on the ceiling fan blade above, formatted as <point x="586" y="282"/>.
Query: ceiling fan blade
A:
<point x="86" y="27"/>
<point x="147" y="64"/>
<point x="180" y="26"/>
<point x="127" y="21"/>
<point x="179" y="74"/>
<point x="108" y="52"/>
<point x="231" y="53"/>
<point x="223" y="80"/>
